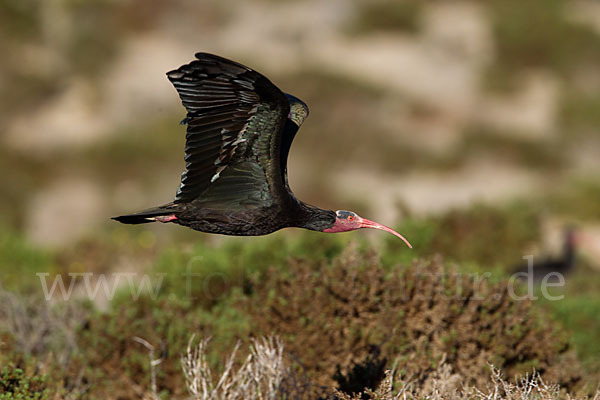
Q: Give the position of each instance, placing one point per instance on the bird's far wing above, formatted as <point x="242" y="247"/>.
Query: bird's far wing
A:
<point x="298" y="110"/>
<point x="234" y="121"/>
<point x="297" y="115"/>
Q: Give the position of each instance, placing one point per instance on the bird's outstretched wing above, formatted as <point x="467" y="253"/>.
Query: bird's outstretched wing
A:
<point x="235" y="119"/>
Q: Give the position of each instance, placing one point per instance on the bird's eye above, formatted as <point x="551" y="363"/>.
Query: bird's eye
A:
<point x="350" y="217"/>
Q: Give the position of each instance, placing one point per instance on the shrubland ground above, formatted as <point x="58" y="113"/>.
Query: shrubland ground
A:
<point x="344" y="312"/>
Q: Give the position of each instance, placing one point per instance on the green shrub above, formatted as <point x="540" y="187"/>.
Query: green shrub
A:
<point x="21" y="261"/>
<point x="16" y="384"/>
<point x="336" y="316"/>
<point x="202" y="306"/>
<point x="342" y="317"/>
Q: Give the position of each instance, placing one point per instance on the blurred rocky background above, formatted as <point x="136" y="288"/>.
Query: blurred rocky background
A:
<point x="433" y="105"/>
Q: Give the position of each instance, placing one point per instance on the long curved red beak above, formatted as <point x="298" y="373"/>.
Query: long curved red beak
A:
<point x="366" y="223"/>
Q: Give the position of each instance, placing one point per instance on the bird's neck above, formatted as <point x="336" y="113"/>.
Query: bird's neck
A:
<point x="569" y="253"/>
<point x="313" y="218"/>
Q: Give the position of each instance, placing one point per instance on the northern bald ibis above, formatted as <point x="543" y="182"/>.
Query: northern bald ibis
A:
<point x="562" y="264"/>
<point x="240" y="127"/>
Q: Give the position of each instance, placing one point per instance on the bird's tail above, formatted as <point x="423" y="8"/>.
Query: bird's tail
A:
<point x="161" y="214"/>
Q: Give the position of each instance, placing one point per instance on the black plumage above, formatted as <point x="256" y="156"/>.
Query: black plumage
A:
<point x="240" y="128"/>
<point x="563" y="264"/>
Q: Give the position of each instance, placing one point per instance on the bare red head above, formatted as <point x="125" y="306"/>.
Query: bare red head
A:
<point x="348" y="221"/>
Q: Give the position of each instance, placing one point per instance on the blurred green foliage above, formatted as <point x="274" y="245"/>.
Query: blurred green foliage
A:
<point x="19" y="19"/>
<point x="548" y="155"/>
<point x="21" y="261"/>
<point x="15" y="384"/>
<point x="15" y="184"/>
<point x="206" y="275"/>
<point x="97" y="38"/>
<point x="386" y="15"/>
<point x="205" y="287"/>
<point x="579" y="314"/>
<point x="458" y="236"/>
<point x="580" y="112"/>
<point x="579" y="200"/>
<point x="538" y="34"/>
<point x="128" y="151"/>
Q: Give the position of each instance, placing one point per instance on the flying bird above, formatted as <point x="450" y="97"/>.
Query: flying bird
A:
<point x="240" y="128"/>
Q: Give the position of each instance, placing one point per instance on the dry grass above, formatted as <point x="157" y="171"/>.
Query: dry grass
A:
<point x="445" y="385"/>
<point x="40" y="328"/>
<point x="38" y="348"/>
<point x="259" y="377"/>
<point x="264" y="375"/>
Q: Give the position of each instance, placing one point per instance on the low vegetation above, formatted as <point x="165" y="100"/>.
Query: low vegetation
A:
<point x="345" y="321"/>
<point x="265" y="374"/>
<point x="345" y="317"/>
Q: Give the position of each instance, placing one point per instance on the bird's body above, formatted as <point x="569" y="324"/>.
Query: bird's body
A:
<point x="563" y="264"/>
<point x="250" y="221"/>
<point x="240" y="128"/>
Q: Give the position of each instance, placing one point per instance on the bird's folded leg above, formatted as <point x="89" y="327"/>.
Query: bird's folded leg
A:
<point x="165" y="218"/>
